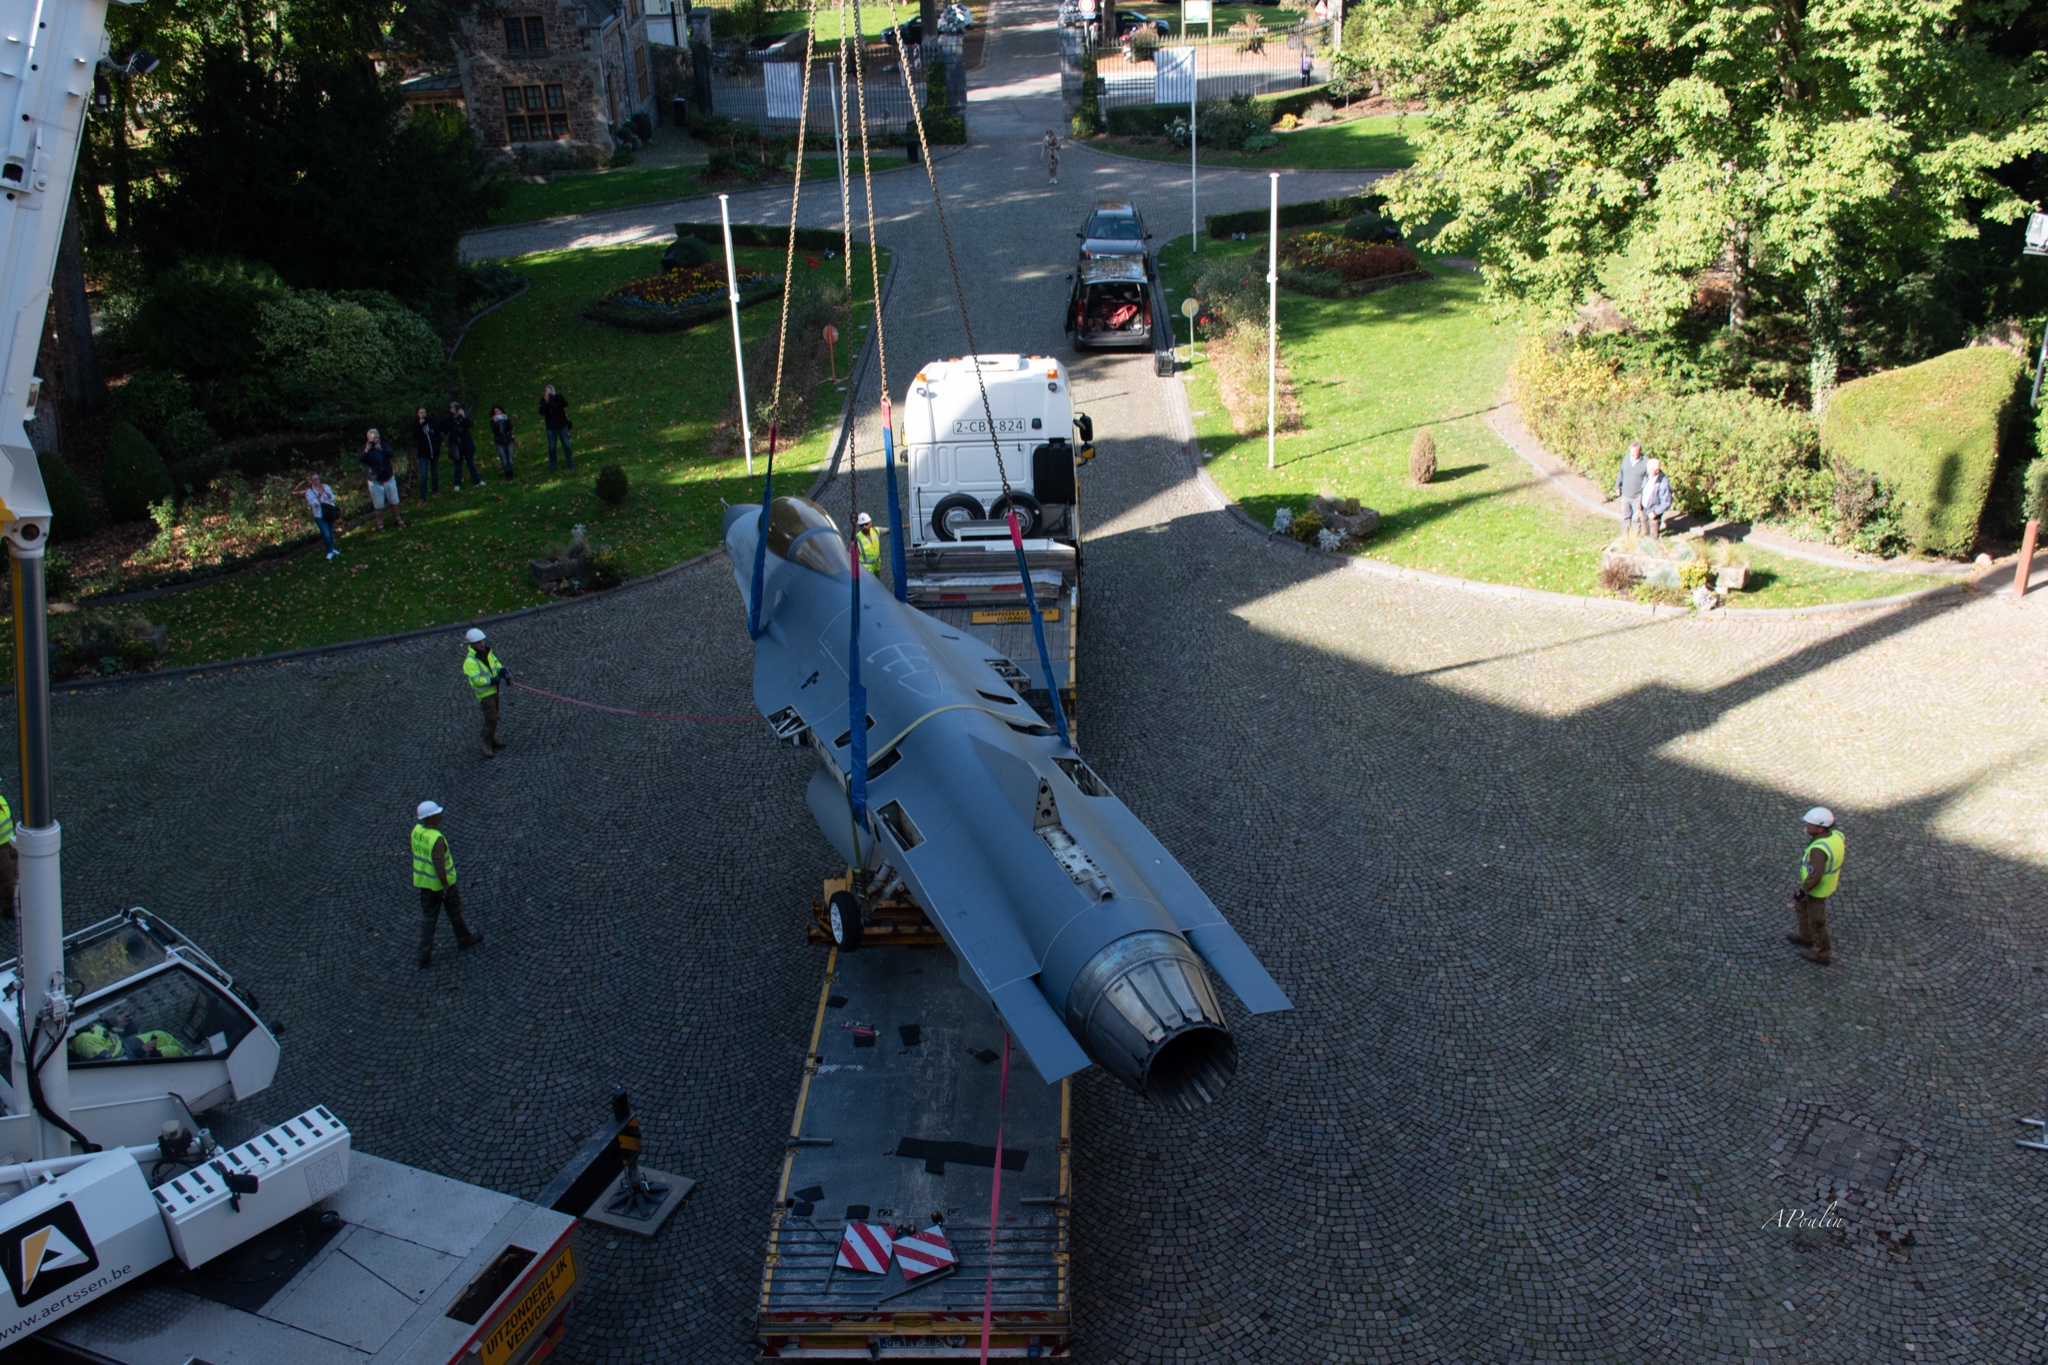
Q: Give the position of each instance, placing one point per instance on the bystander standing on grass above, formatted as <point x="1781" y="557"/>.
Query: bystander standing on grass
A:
<point x="462" y="444"/>
<point x="426" y="454"/>
<point x="380" y="466"/>
<point x="554" y="415"/>
<point x="320" y="498"/>
<point x="501" y="437"/>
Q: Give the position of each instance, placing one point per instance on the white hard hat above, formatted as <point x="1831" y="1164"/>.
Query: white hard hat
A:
<point x="864" y="520"/>
<point x="429" y="808"/>
<point x="475" y="636"/>
<point x="1822" y="816"/>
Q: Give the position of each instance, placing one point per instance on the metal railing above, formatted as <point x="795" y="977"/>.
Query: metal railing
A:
<point x="772" y="100"/>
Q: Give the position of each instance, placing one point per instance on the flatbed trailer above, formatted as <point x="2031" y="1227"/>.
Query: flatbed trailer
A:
<point x="896" y="1125"/>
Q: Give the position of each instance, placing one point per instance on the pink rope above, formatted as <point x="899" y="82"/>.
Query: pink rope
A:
<point x="622" y="711"/>
<point x="995" y="1199"/>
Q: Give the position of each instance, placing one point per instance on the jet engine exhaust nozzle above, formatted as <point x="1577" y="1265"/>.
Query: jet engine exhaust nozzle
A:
<point x="1143" y="1007"/>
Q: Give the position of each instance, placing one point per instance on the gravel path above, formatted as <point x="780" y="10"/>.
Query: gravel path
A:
<point x="1553" y="1080"/>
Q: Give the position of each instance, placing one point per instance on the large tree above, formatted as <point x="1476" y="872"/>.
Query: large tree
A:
<point x="312" y="167"/>
<point x="1625" y="147"/>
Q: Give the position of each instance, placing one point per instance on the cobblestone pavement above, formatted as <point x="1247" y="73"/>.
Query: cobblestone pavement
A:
<point x="1554" y="1081"/>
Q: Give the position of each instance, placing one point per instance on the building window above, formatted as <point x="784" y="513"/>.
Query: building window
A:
<point x="535" y="113"/>
<point x="526" y="35"/>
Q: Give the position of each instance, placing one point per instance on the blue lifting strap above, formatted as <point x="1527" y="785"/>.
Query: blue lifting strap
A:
<point x="1059" y="712"/>
<point x="897" y="572"/>
<point x="856" y="716"/>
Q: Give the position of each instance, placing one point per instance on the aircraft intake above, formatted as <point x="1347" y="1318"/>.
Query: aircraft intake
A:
<point x="1143" y="1008"/>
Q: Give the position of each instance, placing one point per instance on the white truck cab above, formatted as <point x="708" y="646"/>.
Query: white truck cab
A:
<point x="956" y="491"/>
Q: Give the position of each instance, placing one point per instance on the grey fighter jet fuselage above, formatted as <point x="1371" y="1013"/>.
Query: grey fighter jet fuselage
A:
<point x="1063" y="910"/>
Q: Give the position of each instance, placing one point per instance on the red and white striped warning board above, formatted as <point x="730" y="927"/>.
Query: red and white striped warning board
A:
<point x="923" y="1252"/>
<point x="865" y="1247"/>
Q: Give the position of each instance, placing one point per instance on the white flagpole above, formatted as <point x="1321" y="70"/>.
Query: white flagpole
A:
<point x="1272" y="317"/>
<point x="739" y="356"/>
<point x="1194" y="157"/>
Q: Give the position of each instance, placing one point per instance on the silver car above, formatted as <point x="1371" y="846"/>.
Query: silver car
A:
<point x="1116" y="228"/>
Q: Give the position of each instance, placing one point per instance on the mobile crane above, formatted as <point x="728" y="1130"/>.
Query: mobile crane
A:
<point x="106" y="1176"/>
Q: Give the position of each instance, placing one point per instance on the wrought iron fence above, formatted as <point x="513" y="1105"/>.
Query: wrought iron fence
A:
<point x="769" y="94"/>
<point x="1235" y="61"/>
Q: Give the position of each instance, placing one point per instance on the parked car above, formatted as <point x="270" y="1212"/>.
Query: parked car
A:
<point x="1115" y="228"/>
<point x="913" y="34"/>
<point x="1129" y="21"/>
<point x="1111" y="303"/>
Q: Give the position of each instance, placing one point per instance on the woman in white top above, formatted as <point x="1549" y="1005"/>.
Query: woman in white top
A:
<point x="320" y="498"/>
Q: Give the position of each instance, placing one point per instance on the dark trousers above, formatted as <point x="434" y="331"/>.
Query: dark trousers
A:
<point x="562" y="436"/>
<point x="429" y="474"/>
<point x="432" y="903"/>
<point x="10" y="866"/>
<point x="491" y="742"/>
<point x="465" y="456"/>
<point x="505" y="457"/>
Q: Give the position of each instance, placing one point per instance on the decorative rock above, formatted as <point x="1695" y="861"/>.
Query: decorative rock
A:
<point x="1353" y="525"/>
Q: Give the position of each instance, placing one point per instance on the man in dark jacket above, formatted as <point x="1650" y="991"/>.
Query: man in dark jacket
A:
<point x="426" y="452"/>
<point x="554" y="415"/>
<point x="380" y="466"/>
<point x="461" y="444"/>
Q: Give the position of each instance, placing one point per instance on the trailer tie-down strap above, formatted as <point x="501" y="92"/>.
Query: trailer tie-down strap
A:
<point x="995" y="1203"/>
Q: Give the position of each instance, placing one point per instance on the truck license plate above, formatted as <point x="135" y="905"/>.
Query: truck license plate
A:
<point x="1011" y="616"/>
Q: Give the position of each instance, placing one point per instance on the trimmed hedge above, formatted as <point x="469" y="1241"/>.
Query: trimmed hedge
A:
<point x="1136" y="120"/>
<point x="1933" y="432"/>
<point x="756" y="234"/>
<point x="70" y="503"/>
<point x="1253" y="222"/>
<point x="135" y="476"/>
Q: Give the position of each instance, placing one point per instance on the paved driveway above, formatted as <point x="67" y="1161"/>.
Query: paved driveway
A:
<point x="1553" y="1083"/>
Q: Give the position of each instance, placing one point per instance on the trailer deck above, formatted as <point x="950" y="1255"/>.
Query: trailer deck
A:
<point x="896" y="1125"/>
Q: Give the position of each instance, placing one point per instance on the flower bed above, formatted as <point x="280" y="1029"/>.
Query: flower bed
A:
<point x="1349" y="260"/>
<point x="677" y="299"/>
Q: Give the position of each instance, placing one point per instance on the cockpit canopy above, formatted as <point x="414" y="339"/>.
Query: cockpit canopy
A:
<point x="803" y="533"/>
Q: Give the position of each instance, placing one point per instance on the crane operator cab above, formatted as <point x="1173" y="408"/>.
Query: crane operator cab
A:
<point x="152" y="1015"/>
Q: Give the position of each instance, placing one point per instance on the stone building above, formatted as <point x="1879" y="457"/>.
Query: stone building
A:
<point x="548" y="80"/>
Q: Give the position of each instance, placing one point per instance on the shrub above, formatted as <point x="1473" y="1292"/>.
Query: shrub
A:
<point x="70" y="503"/>
<point x="2034" y="489"/>
<point x="1087" y="120"/>
<point x="1145" y="44"/>
<point x="1617" y="576"/>
<point x="185" y="435"/>
<point x="1287" y="124"/>
<point x="135" y="475"/>
<point x="604" y="569"/>
<point x="685" y="251"/>
<point x="945" y="130"/>
<point x="332" y="356"/>
<point x="1304" y="214"/>
<point x="1371" y="226"/>
<point x="136" y="655"/>
<point x="1730" y="455"/>
<point x="1262" y="142"/>
<point x="151" y="398"/>
<point x="1324" y="284"/>
<point x="1933" y="432"/>
<point x="1346" y="258"/>
<point x="204" y="319"/>
<point x="1694" y="573"/>
<point x="611" y="484"/>
<point x="1319" y="112"/>
<point x="1307" y="527"/>
<point x="1422" y="457"/>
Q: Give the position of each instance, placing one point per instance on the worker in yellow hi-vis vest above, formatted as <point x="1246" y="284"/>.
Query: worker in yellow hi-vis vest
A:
<point x="433" y="872"/>
<point x="486" y="676"/>
<point x="868" y="541"/>
<point x="10" y="859"/>
<point x="1820" y="871"/>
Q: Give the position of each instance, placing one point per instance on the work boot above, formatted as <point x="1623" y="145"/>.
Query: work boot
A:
<point x="463" y="945"/>
<point x="500" y="743"/>
<point x="426" y="961"/>
<point x="1823" y="959"/>
<point x="1799" y="939"/>
<point x="489" y="752"/>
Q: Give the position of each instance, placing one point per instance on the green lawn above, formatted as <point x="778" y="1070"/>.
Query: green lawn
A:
<point x="644" y="402"/>
<point x="1275" y="20"/>
<point x="595" y="191"/>
<point x="831" y="27"/>
<point x="1373" y="142"/>
<point x="1371" y="372"/>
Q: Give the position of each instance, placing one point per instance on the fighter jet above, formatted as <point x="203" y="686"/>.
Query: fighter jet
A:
<point x="1063" y="911"/>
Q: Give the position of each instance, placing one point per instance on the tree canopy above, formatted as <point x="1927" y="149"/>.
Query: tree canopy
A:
<point x="1626" y="147"/>
<point x="312" y="167"/>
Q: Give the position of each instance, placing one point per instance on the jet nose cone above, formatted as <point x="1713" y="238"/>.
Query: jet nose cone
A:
<point x="1143" y="1007"/>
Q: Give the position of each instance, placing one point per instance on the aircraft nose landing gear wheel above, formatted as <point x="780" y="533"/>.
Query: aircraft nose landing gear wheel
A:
<point x="842" y="915"/>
